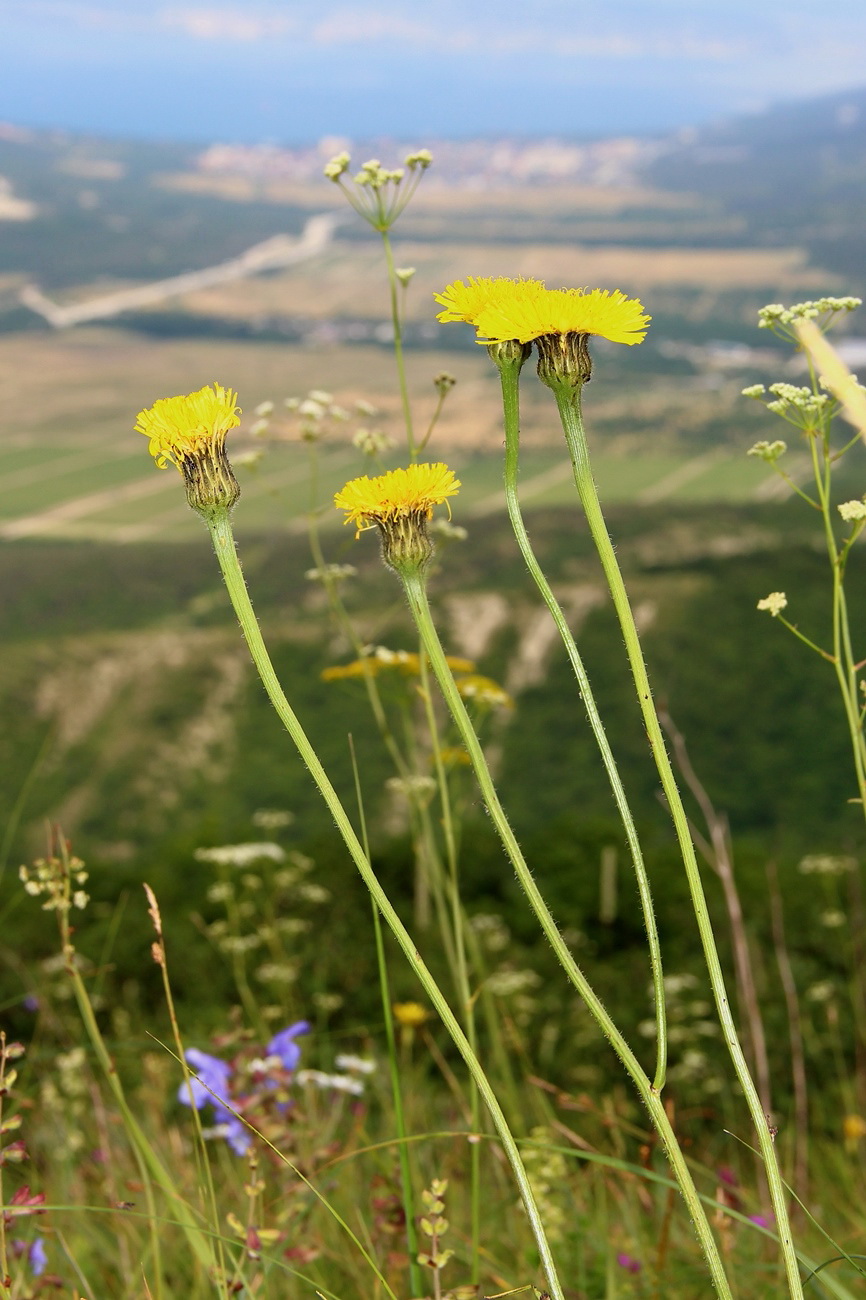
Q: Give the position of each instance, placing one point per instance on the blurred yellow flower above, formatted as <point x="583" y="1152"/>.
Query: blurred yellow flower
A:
<point x="410" y="1014"/>
<point x="405" y="662"/>
<point x="484" y="691"/>
<point x="524" y="310"/>
<point x="397" y="494"/>
<point x="854" y="1127"/>
<point x="182" y="427"/>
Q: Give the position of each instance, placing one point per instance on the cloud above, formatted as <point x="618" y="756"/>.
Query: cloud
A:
<point x="351" y="27"/>
<point x="227" y="24"/>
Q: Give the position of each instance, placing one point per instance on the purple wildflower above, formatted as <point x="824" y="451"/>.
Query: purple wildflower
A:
<point x="30" y="1002"/>
<point x="760" y="1219"/>
<point x="237" y="1135"/>
<point x="36" y="1257"/>
<point x="284" y="1046"/>
<point x="211" y="1087"/>
<point x="629" y="1263"/>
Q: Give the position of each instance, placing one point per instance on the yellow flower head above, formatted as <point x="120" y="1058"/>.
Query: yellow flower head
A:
<point x="191" y="432"/>
<point x="412" y="491"/>
<point x="525" y="310"/>
<point x="185" y="426"/>
<point x="410" y="1015"/>
<point x="402" y="663"/>
<point x="465" y="302"/>
<point x="399" y="503"/>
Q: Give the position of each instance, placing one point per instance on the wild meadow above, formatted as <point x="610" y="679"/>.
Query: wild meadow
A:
<point x="355" y="1077"/>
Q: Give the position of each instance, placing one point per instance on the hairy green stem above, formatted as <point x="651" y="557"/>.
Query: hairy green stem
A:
<point x="399" y="1116"/>
<point x="458" y="926"/>
<point x="568" y="402"/>
<point x="417" y="596"/>
<point x="393" y="1069"/>
<point x="224" y="546"/>
<point x="509" y="372"/>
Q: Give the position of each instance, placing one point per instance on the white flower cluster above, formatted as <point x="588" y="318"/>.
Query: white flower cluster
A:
<point x="277" y="972"/>
<point x="337" y="166"/>
<point x="412" y="787"/>
<point x="372" y="442"/>
<point x="51" y="877"/>
<point x="774" y="603"/>
<point x="768" y="451"/>
<point x="241" y="855"/>
<point x="372" y="173"/>
<point x="335" y="1082"/>
<point x="853" y="511"/>
<point x="314" y="411"/>
<point x="491" y="930"/>
<point x="445" y="531"/>
<point x="799" y="405"/>
<point x="775" y="313"/>
<point x="393" y="658"/>
<point x="331" y="573"/>
<point x="357" y="1064"/>
<point x="272" y="819"/>
<point x="826" y="864"/>
<point x="505" y="983"/>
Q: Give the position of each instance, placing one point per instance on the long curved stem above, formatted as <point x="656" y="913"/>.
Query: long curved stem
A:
<point x="568" y="402"/>
<point x="417" y="596"/>
<point x="509" y="372"/>
<point x="223" y="540"/>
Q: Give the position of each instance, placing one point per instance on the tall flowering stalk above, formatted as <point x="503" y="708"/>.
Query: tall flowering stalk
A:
<point x="399" y="504"/>
<point x="811" y="410"/>
<point x="379" y="195"/>
<point x="560" y="323"/>
<point x="193" y="428"/>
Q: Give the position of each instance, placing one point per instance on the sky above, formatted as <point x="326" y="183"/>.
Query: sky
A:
<point x="292" y="71"/>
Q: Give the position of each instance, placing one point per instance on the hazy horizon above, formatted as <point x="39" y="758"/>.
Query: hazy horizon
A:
<point x="294" y="72"/>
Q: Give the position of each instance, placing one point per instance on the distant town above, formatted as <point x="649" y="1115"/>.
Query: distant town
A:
<point x="470" y="164"/>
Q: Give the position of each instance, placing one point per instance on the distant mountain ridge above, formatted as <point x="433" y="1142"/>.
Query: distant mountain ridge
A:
<point x="795" y="172"/>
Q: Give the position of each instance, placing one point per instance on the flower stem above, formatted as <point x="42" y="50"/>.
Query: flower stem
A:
<point x="398" y="343"/>
<point x="509" y="373"/>
<point x="458" y="925"/>
<point x="417" y="595"/>
<point x="224" y="546"/>
<point x="568" y="402"/>
<point x="399" y="1115"/>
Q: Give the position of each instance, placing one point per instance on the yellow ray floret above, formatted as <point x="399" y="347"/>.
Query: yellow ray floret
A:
<point x="525" y="310"/>
<point x="184" y="426"/>
<point x="465" y="302"/>
<point x="400" y="492"/>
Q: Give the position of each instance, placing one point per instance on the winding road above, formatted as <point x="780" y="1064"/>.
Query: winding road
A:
<point x="272" y="254"/>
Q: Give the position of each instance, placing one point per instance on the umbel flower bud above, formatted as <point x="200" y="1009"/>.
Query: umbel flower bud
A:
<point x="399" y="504"/>
<point x="191" y="432"/>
